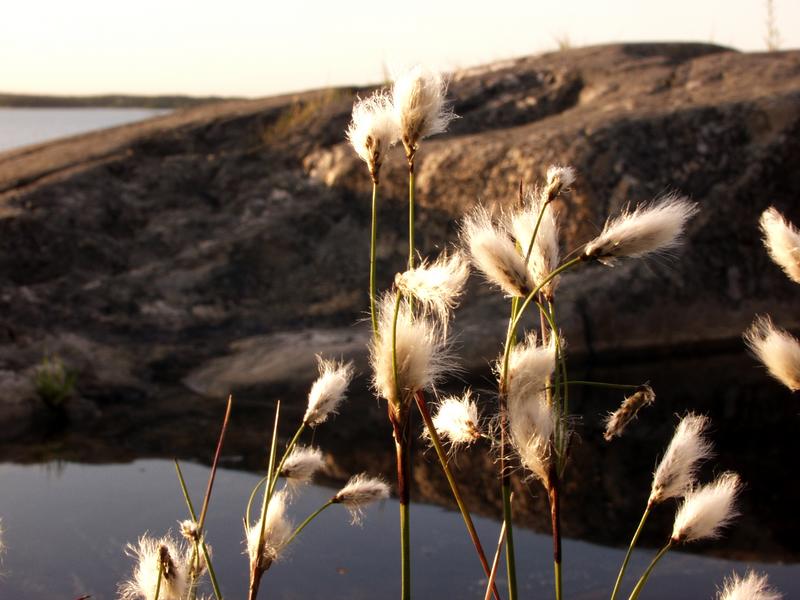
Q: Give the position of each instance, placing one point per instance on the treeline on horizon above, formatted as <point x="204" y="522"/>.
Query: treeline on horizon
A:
<point x="104" y="101"/>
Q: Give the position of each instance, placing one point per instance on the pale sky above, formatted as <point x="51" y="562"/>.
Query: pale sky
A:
<point x="253" y="48"/>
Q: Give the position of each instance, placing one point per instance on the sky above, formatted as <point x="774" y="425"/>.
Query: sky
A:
<point x="257" y="48"/>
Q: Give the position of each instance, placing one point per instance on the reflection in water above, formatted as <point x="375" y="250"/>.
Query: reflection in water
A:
<point x="92" y="511"/>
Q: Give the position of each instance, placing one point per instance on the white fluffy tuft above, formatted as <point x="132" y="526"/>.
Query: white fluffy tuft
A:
<point x="360" y="491"/>
<point x="544" y="254"/>
<point x="301" y="465"/>
<point x="782" y="240"/>
<point x="494" y="253"/>
<point x="707" y="509"/>
<point x="438" y="286"/>
<point x="150" y="554"/>
<point x="373" y="130"/>
<point x="675" y="474"/>
<point x="422" y="357"/>
<point x="328" y="390"/>
<point x="750" y="587"/>
<point x="456" y="419"/>
<point x="779" y="351"/>
<point x="277" y="531"/>
<point x="656" y="227"/>
<point x="420" y="109"/>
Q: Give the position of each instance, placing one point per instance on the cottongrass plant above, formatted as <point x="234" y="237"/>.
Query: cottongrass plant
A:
<point x="161" y="571"/>
<point x="750" y="587"/>
<point x="456" y="420"/>
<point x="704" y="512"/>
<point x="782" y="240"/>
<point x="675" y="475"/>
<point x="519" y="253"/>
<point x="618" y="421"/>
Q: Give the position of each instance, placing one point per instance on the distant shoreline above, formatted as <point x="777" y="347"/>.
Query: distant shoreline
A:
<point x="105" y="101"/>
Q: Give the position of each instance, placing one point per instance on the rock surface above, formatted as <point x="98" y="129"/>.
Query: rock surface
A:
<point x="224" y="245"/>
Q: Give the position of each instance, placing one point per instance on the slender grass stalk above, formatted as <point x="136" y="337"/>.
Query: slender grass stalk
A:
<point x="372" y="250"/>
<point x="273" y="480"/>
<point x="602" y="384"/>
<point x="535" y="230"/>
<point x="555" y="519"/>
<point x="258" y="485"/>
<point x="495" y="563"/>
<point x="212" y="575"/>
<point x="308" y="520"/>
<point x="257" y="570"/>
<point x="643" y="579"/>
<point x="630" y="551"/>
<point x="158" y="579"/>
<point x="402" y="443"/>
<point x="411" y="199"/>
<point x="462" y="507"/>
<point x="212" y="475"/>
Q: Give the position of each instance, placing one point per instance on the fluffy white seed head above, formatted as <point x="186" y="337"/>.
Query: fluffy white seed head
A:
<point x="418" y="97"/>
<point x="456" y="419"/>
<point x="531" y="423"/>
<point x="301" y="465"/>
<point x="438" y="285"/>
<point x="782" y="240"/>
<point x="360" y="491"/>
<point x="493" y="252"/>
<point x="779" y="351"/>
<point x="559" y="178"/>
<point x="153" y="555"/>
<point x="675" y="474"/>
<point x="373" y="130"/>
<point x="189" y="530"/>
<point x="530" y="364"/>
<point x="277" y="531"/>
<point x="752" y="586"/>
<point x="621" y="418"/>
<point x="328" y="390"/>
<point x="656" y="227"/>
<point x="544" y="253"/>
<point x="706" y="510"/>
<point x="422" y="357"/>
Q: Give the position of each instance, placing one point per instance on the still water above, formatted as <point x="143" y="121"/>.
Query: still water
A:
<point x="25" y="126"/>
<point x="66" y="526"/>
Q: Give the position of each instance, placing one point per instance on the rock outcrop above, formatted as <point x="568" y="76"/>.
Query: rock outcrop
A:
<point x="223" y="246"/>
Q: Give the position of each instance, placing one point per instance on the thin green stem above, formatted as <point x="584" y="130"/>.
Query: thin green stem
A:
<point x="643" y="579"/>
<point x="535" y="231"/>
<point x="511" y="565"/>
<point x="602" y="384"/>
<point x="490" y="587"/>
<point x="557" y="578"/>
<point x="411" y="247"/>
<point x="462" y="507"/>
<point x="212" y="575"/>
<point x="397" y="301"/>
<point x="261" y="482"/>
<point x="158" y="579"/>
<point x="405" y="551"/>
<point x="289" y="447"/>
<point x="271" y="474"/>
<point x="629" y="552"/>
<point x="372" y="251"/>
<point x="308" y="520"/>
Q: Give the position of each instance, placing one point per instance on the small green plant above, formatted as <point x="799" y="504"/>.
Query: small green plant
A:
<point x="54" y="382"/>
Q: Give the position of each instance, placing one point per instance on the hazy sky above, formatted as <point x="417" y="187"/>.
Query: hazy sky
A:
<point x="243" y="47"/>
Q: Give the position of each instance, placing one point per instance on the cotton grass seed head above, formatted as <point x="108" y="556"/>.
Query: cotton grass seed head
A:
<point x="530" y="364"/>
<point x="655" y="227"/>
<point x="544" y="253"/>
<point x="420" y="108"/>
<point x="531" y="423"/>
<point x="301" y="465"/>
<point x="493" y="252"/>
<point x="277" y="531"/>
<point x="421" y="351"/>
<point x="456" y="420"/>
<point x="189" y="530"/>
<point x="373" y="130"/>
<point x="706" y="510"/>
<point x="438" y="285"/>
<point x="675" y="474"/>
<point x="752" y="586"/>
<point x="621" y="418"/>
<point x="152" y="556"/>
<point x="779" y="351"/>
<point x="360" y="491"/>
<point x="559" y="179"/>
<point x="328" y="390"/>
<point x="782" y="240"/>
